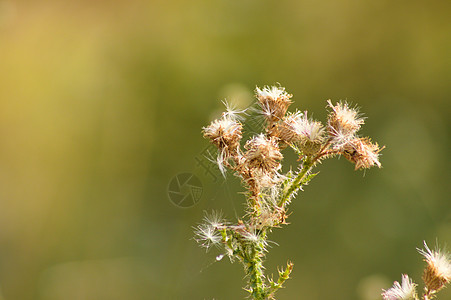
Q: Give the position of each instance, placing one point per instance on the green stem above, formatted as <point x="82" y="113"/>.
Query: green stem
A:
<point x="256" y="283"/>
<point x="257" y="286"/>
<point x="297" y="182"/>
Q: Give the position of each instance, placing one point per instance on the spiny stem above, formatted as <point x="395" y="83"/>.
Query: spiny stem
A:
<point x="297" y="182"/>
<point x="284" y="275"/>
<point x="256" y="284"/>
<point x="256" y="281"/>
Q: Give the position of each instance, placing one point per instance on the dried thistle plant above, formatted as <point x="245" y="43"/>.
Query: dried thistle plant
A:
<point x="269" y="192"/>
<point x="436" y="275"/>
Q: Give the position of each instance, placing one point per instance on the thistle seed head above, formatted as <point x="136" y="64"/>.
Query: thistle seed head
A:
<point x="274" y="102"/>
<point x="263" y="154"/>
<point x="362" y="153"/>
<point x="310" y="135"/>
<point x="404" y="291"/>
<point x="438" y="270"/>
<point x="343" y="120"/>
<point x="224" y="133"/>
<point x="286" y="130"/>
<point x="297" y="129"/>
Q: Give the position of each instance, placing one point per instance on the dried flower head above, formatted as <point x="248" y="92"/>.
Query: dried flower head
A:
<point x="286" y="130"/>
<point x="438" y="270"/>
<point x="310" y="135"/>
<point x="362" y="153"/>
<point x="225" y="133"/>
<point x="263" y="154"/>
<point x="404" y="291"/>
<point x="343" y="121"/>
<point x="274" y="102"/>
<point x="297" y="129"/>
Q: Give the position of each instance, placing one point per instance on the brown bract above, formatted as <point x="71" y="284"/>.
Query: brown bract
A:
<point x="438" y="269"/>
<point x="433" y="279"/>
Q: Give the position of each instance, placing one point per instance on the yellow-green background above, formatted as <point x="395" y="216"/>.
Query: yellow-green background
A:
<point x="102" y="103"/>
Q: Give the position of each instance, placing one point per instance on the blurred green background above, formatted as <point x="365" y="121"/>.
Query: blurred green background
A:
<point x="102" y="103"/>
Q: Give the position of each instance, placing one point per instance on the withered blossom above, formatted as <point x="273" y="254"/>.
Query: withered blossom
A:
<point x="404" y="291"/>
<point x="344" y="119"/>
<point x="362" y="153"/>
<point x="225" y="133"/>
<point x="438" y="269"/>
<point x="298" y="130"/>
<point x="274" y="102"/>
<point x="262" y="153"/>
<point x="285" y="131"/>
<point x="310" y="135"/>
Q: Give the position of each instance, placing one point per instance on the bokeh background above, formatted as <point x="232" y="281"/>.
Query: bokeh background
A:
<point x="102" y="103"/>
